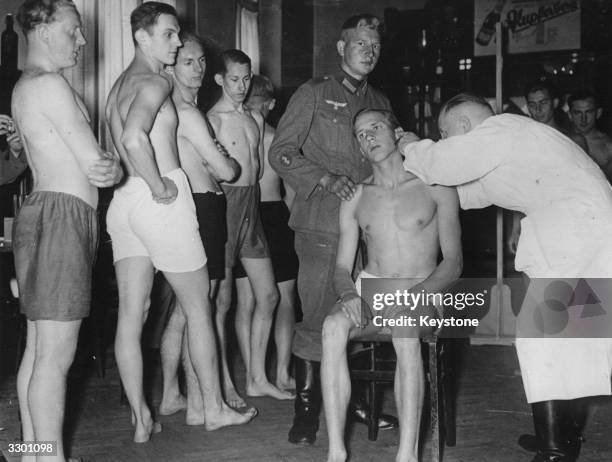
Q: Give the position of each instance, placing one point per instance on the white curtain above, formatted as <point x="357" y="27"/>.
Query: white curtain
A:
<point x="247" y="34"/>
<point x="82" y="76"/>
<point x="109" y="50"/>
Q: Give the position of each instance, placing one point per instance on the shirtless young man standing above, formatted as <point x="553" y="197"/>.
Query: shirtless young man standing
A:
<point x="56" y="231"/>
<point x="241" y="132"/>
<point x="274" y="210"/>
<point x="583" y="113"/>
<point x="205" y="163"/>
<point x="152" y="220"/>
<point x="405" y="222"/>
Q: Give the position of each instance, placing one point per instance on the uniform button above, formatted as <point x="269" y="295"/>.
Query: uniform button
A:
<point x="335" y="120"/>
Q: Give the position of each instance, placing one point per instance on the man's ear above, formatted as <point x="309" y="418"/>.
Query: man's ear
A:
<point x="43" y="32"/>
<point x="271" y="104"/>
<point x="219" y="79"/>
<point x="599" y="112"/>
<point x="340" y="44"/>
<point x="465" y="123"/>
<point x="555" y="103"/>
<point x="141" y="37"/>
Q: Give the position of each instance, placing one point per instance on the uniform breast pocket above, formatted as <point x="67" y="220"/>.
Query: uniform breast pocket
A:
<point x="27" y="227"/>
<point x="335" y="126"/>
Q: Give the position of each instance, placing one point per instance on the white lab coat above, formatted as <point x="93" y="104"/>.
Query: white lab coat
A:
<point x="519" y="164"/>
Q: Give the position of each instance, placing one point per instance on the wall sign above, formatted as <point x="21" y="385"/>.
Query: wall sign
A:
<point x="534" y="26"/>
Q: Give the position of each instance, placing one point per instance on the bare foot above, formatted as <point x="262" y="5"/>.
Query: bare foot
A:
<point x="195" y="417"/>
<point x="172" y="405"/>
<point x="228" y="416"/>
<point x="267" y="389"/>
<point x="143" y="431"/>
<point x="336" y="456"/>
<point x="233" y="399"/>
<point x="286" y="383"/>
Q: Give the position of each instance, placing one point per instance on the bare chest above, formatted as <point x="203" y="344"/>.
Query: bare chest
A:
<point x="238" y="131"/>
<point x="407" y="209"/>
<point x="600" y="150"/>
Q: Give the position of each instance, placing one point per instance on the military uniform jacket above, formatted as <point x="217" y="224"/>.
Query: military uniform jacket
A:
<point x="314" y="137"/>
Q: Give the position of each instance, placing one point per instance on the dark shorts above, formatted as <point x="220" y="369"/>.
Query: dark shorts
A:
<point x="245" y="235"/>
<point x="55" y="238"/>
<point x="281" y="240"/>
<point x="211" y="213"/>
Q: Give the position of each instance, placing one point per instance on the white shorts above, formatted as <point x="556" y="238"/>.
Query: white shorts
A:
<point x="167" y="234"/>
<point x="363" y="274"/>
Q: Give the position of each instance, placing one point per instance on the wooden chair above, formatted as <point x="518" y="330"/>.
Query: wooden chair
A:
<point x="379" y="369"/>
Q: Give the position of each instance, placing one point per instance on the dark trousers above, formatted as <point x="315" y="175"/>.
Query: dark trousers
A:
<point x="317" y="257"/>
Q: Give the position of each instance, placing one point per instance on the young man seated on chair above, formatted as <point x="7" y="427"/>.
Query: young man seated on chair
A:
<point x="404" y="224"/>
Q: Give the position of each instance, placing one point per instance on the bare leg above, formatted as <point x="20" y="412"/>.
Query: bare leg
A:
<point x="335" y="382"/>
<point x="23" y="383"/>
<point x="195" y="404"/>
<point x="192" y="290"/>
<point x="172" y="340"/>
<point x="173" y="349"/>
<point x="55" y="347"/>
<point x="245" y="304"/>
<point x="134" y="281"/>
<point x="283" y="334"/>
<point x="409" y="390"/>
<point x="224" y="302"/>
<point x="261" y="278"/>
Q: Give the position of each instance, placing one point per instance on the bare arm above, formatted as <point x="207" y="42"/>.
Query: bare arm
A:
<point x="138" y="124"/>
<point x="192" y="126"/>
<point x="345" y="259"/>
<point x="260" y="146"/>
<point x="449" y="232"/>
<point x="56" y="101"/>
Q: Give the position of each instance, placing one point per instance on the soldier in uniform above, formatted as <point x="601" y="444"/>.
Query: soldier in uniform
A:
<point x="315" y="153"/>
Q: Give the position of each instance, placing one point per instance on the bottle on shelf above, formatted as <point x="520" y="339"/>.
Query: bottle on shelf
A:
<point x="439" y="64"/>
<point x="9" y="42"/>
<point x="437" y="88"/>
<point x="487" y="30"/>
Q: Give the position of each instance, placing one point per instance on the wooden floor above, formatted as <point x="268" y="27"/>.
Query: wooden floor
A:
<point x="491" y="413"/>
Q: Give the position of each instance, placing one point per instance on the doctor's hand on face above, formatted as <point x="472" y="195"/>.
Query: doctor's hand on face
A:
<point x="404" y="138"/>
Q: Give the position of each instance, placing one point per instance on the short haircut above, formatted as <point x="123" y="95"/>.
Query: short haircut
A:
<point x="388" y="115"/>
<point x="541" y="85"/>
<point x="464" y="98"/>
<point x="186" y="36"/>
<point x="35" y="12"/>
<point x="262" y="86"/>
<point x="146" y="15"/>
<point x="581" y="95"/>
<point x="232" y="56"/>
<point x="366" y="20"/>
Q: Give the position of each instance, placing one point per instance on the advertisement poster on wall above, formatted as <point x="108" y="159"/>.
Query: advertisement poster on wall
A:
<point x="534" y="25"/>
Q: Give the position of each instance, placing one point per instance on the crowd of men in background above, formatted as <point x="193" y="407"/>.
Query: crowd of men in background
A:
<point x="204" y="199"/>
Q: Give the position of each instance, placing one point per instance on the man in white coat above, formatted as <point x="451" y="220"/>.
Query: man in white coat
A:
<point x="518" y="164"/>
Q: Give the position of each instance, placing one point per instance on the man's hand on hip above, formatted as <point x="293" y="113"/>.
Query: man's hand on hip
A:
<point x="168" y="195"/>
